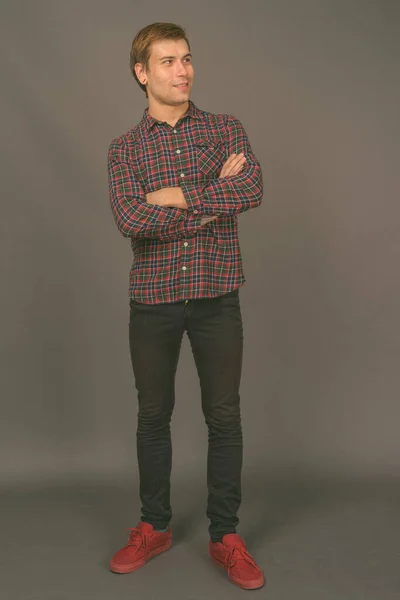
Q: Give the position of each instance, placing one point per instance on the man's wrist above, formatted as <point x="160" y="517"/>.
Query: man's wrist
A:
<point x="181" y="200"/>
<point x="171" y="197"/>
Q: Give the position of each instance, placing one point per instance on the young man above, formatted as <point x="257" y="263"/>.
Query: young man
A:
<point x="178" y="181"/>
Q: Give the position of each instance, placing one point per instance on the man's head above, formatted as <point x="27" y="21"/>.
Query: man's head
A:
<point x="161" y="63"/>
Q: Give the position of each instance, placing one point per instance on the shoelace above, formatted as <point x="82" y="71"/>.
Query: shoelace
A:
<point x="236" y="553"/>
<point x="137" y="537"/>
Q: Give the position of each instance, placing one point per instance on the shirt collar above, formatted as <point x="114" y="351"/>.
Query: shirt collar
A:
<point x="148" y="121"/>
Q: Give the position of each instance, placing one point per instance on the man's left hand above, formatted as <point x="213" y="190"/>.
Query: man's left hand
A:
<point x="170" y="197"/>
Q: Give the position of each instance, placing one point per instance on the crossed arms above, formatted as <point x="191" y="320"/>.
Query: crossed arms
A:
<point x="173" y="197"/>
<point x="174" y="212"/>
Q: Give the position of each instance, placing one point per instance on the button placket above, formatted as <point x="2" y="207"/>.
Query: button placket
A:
<point x="178" y="155"/>
<point x="183" y="156"/>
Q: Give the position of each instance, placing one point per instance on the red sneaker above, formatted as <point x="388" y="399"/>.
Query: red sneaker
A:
<point x="232" y="556"/>
<point x="143" y="544"/>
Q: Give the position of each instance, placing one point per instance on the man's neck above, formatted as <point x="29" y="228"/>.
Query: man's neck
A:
<point x="170" y="114"/>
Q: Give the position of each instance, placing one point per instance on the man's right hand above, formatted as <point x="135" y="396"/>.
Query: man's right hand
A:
<point x="232" y="166"/>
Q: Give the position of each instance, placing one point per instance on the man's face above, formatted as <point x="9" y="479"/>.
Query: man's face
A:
<point x="170" y="73"/>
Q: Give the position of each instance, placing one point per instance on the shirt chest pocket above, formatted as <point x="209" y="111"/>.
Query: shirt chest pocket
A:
<point x="210" y="156"/>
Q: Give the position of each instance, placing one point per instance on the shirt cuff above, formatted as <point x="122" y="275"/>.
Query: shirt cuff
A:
<point x="193" y="198"/>
<point x="191" y="225"/>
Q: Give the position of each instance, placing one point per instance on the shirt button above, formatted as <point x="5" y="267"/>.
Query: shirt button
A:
<point x="178" y="151"/>
<point x="186" y="244"/>
<point x="182" y="174"/>
<point x="183" y="268"/>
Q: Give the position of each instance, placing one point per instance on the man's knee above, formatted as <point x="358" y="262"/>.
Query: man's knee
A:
<point x="224" y="422"/>
<point x="153" y="419"/>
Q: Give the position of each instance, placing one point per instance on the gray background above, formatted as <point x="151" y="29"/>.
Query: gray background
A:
<point x="316" y="85"/>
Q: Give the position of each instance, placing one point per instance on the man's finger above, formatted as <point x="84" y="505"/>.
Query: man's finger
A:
<point x="233" y="159"/>
<point x="205" y="220"/>
<point x="230" y="167"/>
<point x="237" y="164"/>
<point x="234" y="168"/>
<point x="225" y="166"/>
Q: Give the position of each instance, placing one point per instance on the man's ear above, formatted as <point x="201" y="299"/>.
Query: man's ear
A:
<point x="140" y="73"/>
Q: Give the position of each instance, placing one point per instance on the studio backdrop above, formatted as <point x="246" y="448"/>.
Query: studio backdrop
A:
<point x="316" y="86"/>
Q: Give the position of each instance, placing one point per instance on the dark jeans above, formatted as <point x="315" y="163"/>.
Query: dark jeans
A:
<point x="214" y="328"/>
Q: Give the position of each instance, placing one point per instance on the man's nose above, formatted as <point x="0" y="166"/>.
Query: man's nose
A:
<point x="181" y="68"/>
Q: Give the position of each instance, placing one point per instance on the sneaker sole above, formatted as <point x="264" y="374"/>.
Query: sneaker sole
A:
<point x="138" y="565"/>
<point x="245" y="585"/>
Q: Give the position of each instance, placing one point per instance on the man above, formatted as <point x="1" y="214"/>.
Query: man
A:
<point x="178" y="181"/>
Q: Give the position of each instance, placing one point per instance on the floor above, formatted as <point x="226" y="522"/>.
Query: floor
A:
<point x="315" y="540"/>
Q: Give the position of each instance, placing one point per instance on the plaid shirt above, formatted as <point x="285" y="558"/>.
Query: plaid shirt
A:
<point x="175" y="257"/>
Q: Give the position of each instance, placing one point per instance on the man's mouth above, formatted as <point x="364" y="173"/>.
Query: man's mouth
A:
<point x="182" y="85"/>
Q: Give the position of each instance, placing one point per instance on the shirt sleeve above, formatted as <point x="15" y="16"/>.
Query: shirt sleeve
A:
<point x="135" y="218"/>
<point x="229" y="195"/>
